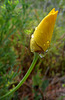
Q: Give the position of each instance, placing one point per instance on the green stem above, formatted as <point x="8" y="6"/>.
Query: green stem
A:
<point x="24" y="78"/>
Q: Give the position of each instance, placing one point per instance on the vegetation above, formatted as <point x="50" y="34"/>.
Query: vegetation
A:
<point x="18" y="19"/>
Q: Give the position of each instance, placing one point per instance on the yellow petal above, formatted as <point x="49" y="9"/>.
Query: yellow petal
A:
<point x="52" y="11"/>
<point x="43" y="32"/>
<point x="33" y="45"/>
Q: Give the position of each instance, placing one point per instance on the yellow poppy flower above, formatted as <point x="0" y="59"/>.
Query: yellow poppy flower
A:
<point x="42" y="35"/>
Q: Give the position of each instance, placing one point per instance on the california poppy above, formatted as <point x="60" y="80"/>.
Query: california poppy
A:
<point x="41" y="38"/>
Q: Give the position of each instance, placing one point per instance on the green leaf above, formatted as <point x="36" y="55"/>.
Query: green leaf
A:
<point x="44" y="85"/>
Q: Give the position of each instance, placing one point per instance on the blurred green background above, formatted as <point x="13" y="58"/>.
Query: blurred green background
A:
<point x="18" y="19"/>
